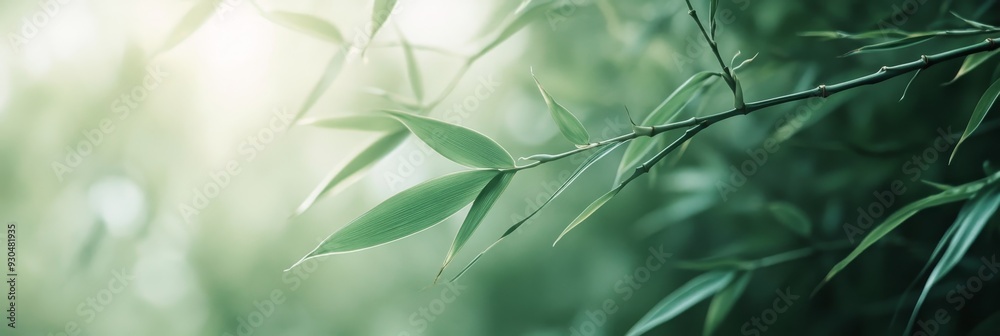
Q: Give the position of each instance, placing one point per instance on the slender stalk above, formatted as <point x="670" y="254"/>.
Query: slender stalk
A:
<point x="726" y="72"/>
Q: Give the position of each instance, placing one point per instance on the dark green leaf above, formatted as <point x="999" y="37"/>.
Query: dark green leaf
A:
<point x="971" y="62"/>
<point x="569" y="125"/>
<point x="359" y="122"/>
<point x="891" y="45"/>
<point x="406" y="213"/>
<point x="480" y="207"/>
<point x="308" y="24"/>
<point x="354" y="168"/>
<point x="970" y="223"/>
<point x="984" y="105"/>
<point x="723" y="302"/>
<point x="987" y="327"/>
<point x="189" y="23"/>
<point x="462" y="145"/>
<point x="791" y="217"/>
<point x="690" y="294"/>
<point x="974" y="24"/>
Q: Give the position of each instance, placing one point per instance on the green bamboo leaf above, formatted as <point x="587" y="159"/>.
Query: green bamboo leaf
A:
<point x="938" y="249"/>
<point x="462" y="145"/>
<point x="723" y="302"/>
<point x="891" y="45"/>
<point x="873" y="34"/>
<point x="527" y="11"/>
<point x="311" y="25"/>
<point x="984" y="105"/>
<point x="412" y="69"/>
<point x="358" y="122"/>
<point x="987" y="327"/>
<point x="331" y="72"/>
<point x="956" y="194"/>
<point x="480" y="207"/>
<point x="936" y="185"/>
<point x="666" y="111"/>
<point x="970" y="223"/>
<point x="974" y="24"/>
<point x="688" y="295"/>
<point x="190" y="23"/>
<point x="380" y="14"/>
<point x="590" y="210"/>
<point x="569" y="125"/>
<point x="791" y="217"/>
<point x="353" y="169"/>
<point x="971" y="62"/>
<point x="406" y="213"/>
<point x="713" y="7"/>
<point x="603" y="151"/>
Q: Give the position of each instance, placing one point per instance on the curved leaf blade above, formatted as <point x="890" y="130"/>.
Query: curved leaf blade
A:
<point x="406" y="213"/>
<point x="569" y="125"/>
<point x="688" y="295"/>
<point x="723" y="303"/>
<point x="792" y="218"/>
<point x="357" y="122"/>
<point x="412" y="69"/>
<point x="333" y="68"/>
<point x="190" y="23"/>
<point x="462" y="145"/>
<point x="480" y="207"/>
<point x="380" y="14"/>
<point x="352" y="170"/>
<point x="523" y="15"/>
<point x="305" y="23"/>
<point x="590" y="210"/>
<point x="984" y="105"/>
<point x="970" y="223"/>
<point x="891" y="45"/>
<point x="972" y="62"/>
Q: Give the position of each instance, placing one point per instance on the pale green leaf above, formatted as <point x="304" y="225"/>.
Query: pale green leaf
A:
<point x="984" y="105"/>
<point x="527" y="11"/>
<point x="569" y="125"/>
<point x="590" y="210"/>
<point x="723" y="302"/>
<point x="688" y="295"/>
<point x="305" y="23"/>
<point x="970" y="223"/>
<point x="971" y="62"/>
<point x="891" y="45"/>
<point x="331" y="72"/>
<point x="358" y="122"/>
<point x="713" y="7"/>
<point x="955" y="194"/>
<point x="480" y="207"/>
<point x="354" y="168"/>
<point x="406" y="213"/>
<point x="462" y="145"/>
<point x="668" y="109"/>
<point x="791" y="217"/>
<point x="191" y="21"/>
<point x="380" y="14"/>
<point x="413" y="69"/>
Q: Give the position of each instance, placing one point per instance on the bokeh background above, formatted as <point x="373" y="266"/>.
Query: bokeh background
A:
<point x="110" y="229"/>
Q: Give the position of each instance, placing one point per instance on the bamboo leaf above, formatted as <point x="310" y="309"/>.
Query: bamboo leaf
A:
<point x="462" y="145"/>
<point x="406" y="213"/>
<point x="688" y="295"/>
<point x="664" y="112"/>
<point x="984" y="105"/>
<point x="891" y="45"/>
<point x="956" y="194"/>
<point x="527" y="11"/>
<point x="723" y="302"/>
<point x="974" y="24"/>
<point x="569" y="125"/>
<point x="971" y="62"/>
<point x="354" y="168"/>
<point x="380" y="14"/>
<point x="792" y="218"/>
<point x="601" y="153"/>
<point x="331" y="72"/>
<point x="190" y="23"/>
<point x="830" y="35"/>
<point x="590" y="210"/>
<point x="358" y="122"/>
<point x="480" y="207"/>
<point x="311" y="25"/>
<point x="713" y="7"/>
<point x="970" y="223"/>
<point x="412" y="69"/>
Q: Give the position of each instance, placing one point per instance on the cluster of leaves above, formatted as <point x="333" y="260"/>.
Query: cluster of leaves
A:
<point x="493" y="168"/>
